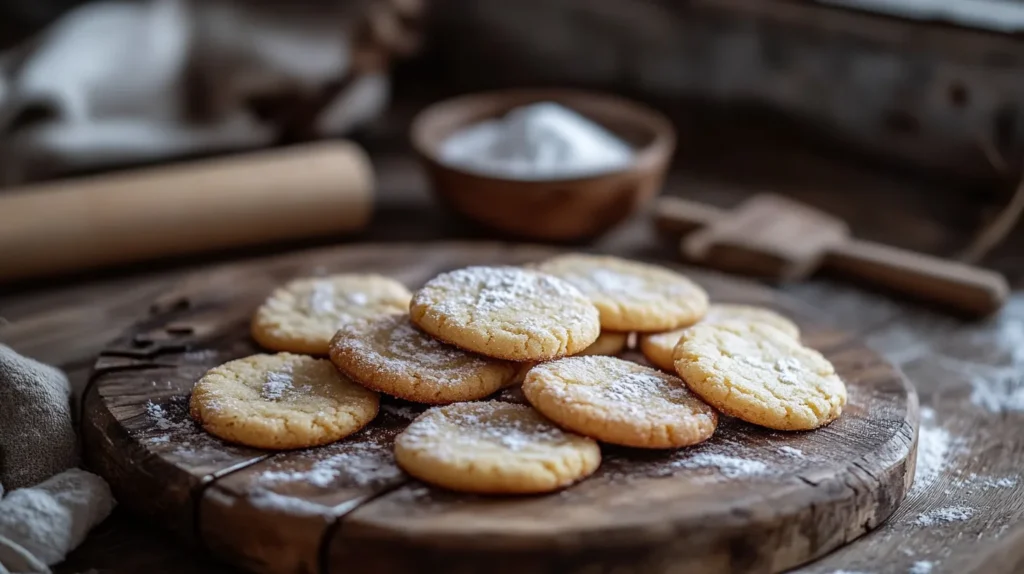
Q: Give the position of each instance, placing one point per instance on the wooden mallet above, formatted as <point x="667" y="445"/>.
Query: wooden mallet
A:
<point x="778" y="239"/>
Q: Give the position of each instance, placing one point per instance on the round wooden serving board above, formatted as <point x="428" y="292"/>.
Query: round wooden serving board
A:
<point x="747" y="500"/>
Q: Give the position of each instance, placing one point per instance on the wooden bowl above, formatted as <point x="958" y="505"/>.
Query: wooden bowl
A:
<point x="555" y="210"/>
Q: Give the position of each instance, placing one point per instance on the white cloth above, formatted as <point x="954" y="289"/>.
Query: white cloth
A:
<point x="39" y="525"/>
<point x="115" y="82"/>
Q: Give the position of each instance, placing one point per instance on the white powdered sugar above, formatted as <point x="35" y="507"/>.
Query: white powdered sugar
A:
<point x="999" y="392"/>
<point x="545" y="140"/>
<point x="944" y="515"/>
<point x="610" y="281"/>
<point x="922" y="567"/>
<point x="454" y="429"/>
<point x="355" y="464"/>
<point x="935" y="446"/>
<point x="729" y="466"/>
<point x="277" y="382"/>
<point x="489" y="296"/>
<point x="409" y="347"/>
<point x="272" y="501"/>
<point x="321" y="297"/>
<point x="159" y="417"/>
<point x="790" y="451"/>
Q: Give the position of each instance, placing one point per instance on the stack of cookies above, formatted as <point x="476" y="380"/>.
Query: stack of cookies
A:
<point x="551" y="327"/>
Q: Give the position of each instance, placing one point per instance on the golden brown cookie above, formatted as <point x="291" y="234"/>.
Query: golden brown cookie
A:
<point x="757" y="373"/>
<point x="389" y="355"/>
<point x="303" y="315"/>
<point x="608" y="343"/>
<point x="280" y="401"/>
<point x="632" y="296"/>
<point x="619" y="402"/>
<point x="659" y="347"/>
<point x="494" y="448"/>
<point x="506" y="313"/>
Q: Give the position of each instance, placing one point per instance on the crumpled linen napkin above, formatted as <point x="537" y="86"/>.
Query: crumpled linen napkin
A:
<point x="49" y="506"/>
<point x="116" y="83"/>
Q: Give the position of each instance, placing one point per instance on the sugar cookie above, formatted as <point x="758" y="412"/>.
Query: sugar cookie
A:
<point x="388" y="354"/>
<point x="280" y="401"/>
<point x="608" y="343"/>
<point x="619" y="402"/>
<point x="658" y="347"/>
<point x="757" y="373"/>
<point x="507" y="313"/>
<point x="303" y="315"/>
<point x="632" y="296"/>
<point x="493" y="447"/>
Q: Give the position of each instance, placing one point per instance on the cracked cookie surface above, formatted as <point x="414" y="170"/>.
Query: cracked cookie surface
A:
<point x="302" y="315"/>
<point x="760" y="374"/>
<point x="619" y="402"/>
<point x="280" y="401"/>
<point x="494" y="448"/>
<point x="390" y="355"/>
<point x="507" y="313"/>
<point x="659" y="347"/>
<point x="632" y="296"/>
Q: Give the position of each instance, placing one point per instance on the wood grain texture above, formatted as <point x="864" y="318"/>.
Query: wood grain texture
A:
<point x="643" y="511"/>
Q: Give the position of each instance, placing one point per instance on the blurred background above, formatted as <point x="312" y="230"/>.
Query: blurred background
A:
<point x="901" y="117"/>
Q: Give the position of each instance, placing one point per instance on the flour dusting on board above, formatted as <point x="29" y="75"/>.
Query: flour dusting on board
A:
<point x="944" y="515"/>
<point x="729" y="466"/>
<point x="357" y="464"/>
<point x="922" y="567"/>
<point x="790" y="451"/>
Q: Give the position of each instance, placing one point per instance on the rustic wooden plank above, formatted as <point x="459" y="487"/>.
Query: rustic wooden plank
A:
<point x="277" y="513"/>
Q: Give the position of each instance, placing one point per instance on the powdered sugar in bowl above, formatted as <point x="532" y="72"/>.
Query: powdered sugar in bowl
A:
<point x="544" y="164"/>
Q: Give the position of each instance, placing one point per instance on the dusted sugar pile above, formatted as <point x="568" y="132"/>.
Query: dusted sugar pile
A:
<point x="537" y="142"/>
<point x="493" y="447"/>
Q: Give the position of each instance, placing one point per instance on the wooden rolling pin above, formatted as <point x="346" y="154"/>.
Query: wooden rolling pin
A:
<point x="314" y="190"/>
<point x="821" y="243"/>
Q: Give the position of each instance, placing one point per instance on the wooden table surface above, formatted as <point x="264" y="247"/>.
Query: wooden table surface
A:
<point x="962" y="515"/>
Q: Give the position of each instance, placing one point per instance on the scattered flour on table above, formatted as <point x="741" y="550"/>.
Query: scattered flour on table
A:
<point x="790" y="451"/>
<point x="729" y="466"/>
<point x="359" y="464"/>
<point x="997" y="392"/>
<point x="172" y="419"/>
<point x="975" y="482"/>
<point x="922" y="567"/>
<point x="935" y="446"/>
<point x="944" y="515"/>
<point x="267" y="500"/>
